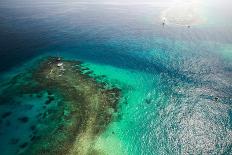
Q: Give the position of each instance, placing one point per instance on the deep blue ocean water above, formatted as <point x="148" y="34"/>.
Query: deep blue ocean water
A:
<point x="170" y="75"/>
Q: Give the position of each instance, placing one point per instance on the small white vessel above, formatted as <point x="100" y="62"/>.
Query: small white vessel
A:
<point x="59" y="64"/>
<point x="164" y="22"/>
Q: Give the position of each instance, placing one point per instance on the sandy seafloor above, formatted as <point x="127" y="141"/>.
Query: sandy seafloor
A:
<point x="169" y="75"/>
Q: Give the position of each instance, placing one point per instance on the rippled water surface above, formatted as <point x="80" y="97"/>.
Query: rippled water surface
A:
<point x="176" y="81"/>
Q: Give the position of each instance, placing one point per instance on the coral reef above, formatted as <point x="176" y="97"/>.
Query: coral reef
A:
<point x="84" y="107"/>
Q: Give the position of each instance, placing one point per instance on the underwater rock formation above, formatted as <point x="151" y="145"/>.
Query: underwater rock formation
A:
<point x="82" y="107"/>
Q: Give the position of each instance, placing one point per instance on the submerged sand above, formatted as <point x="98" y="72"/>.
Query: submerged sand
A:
<point x="84" y="110"/>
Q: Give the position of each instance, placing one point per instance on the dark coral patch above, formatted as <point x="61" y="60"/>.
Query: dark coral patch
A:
<point x="148" y="101"/>
<point x="89" y="72"/>
<point x="23" y="119"/>
<point x="39" y="115"/>
<point x="6" y="114"/>
<point x="49" y="93"/>
<point x="33" y="138"/>
<point x="33" y="127"/>
<point x="23" y="145"/>
<point x="34" y="131"/>
<point x="39" y="95"/>
<point x="50" y="99"/>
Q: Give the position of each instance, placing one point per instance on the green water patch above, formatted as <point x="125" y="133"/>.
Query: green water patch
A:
<point x="140" y="99"/>
<point x="162" y="114"/>
<point x="56" y="108"/>
<point x="226" y="51"/>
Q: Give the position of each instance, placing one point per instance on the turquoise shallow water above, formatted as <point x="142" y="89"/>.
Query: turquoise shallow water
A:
<point x="169" y="75"/>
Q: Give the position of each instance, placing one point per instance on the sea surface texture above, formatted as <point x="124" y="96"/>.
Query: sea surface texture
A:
<point x="171" y="61"/>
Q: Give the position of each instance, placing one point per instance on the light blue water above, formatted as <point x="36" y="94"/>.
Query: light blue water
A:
<point x="169" y="75"/>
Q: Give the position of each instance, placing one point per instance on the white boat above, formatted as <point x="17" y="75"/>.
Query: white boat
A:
<point x="59" y="64"/>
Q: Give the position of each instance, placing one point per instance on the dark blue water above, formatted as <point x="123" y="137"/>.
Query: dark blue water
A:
<point x="194" y="65"/>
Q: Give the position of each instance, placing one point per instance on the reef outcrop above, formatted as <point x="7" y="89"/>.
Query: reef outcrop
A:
<point x="83" y="107"/>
